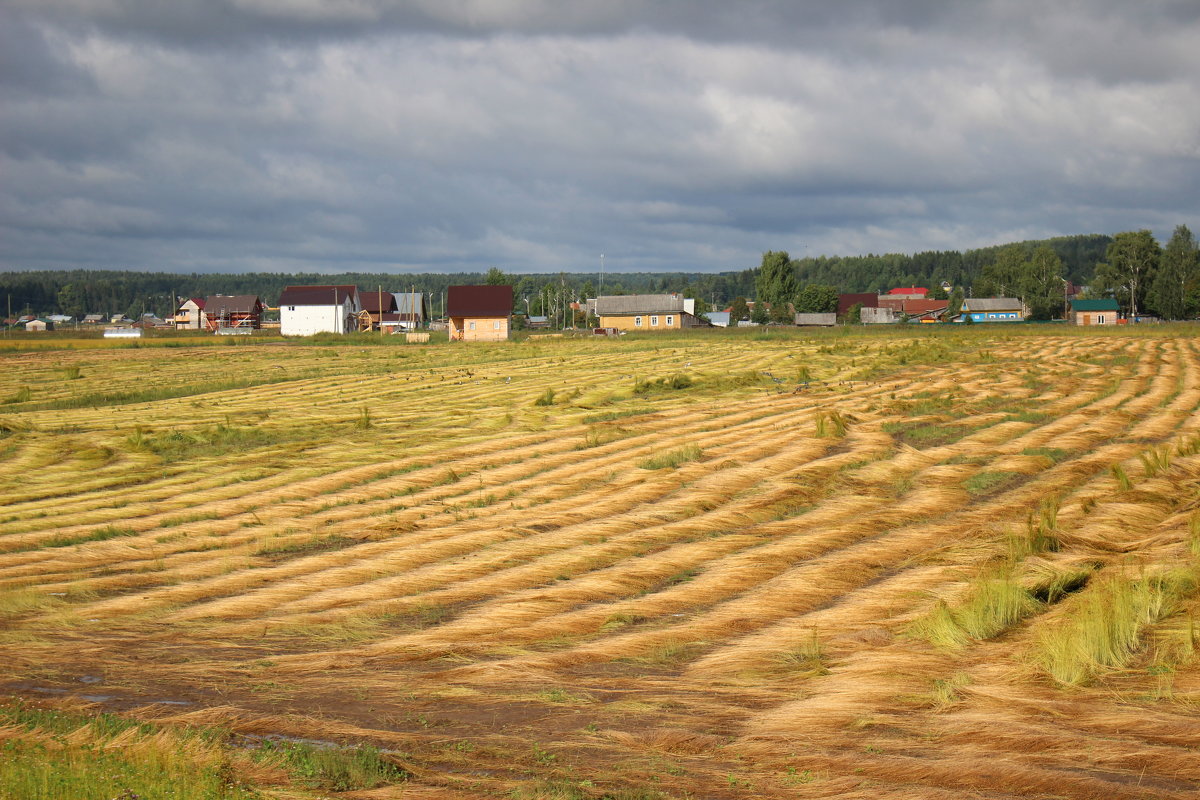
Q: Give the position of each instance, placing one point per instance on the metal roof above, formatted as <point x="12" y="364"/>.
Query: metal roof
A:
<point x="411" y="302"/>
<point x="317" y="295"/>
<point x="377" y="301"/>
<point x="1104" y="304"/>
<point x="991" y="304"/>
<point x="479" y="301"/>
<point x="626" y="304"/>
<point x="232" y="304"/>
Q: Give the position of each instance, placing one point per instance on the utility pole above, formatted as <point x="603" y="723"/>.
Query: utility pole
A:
<point x="601" y="292"/>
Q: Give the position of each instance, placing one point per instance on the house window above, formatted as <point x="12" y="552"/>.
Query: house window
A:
<point x="1099" y="319"/>
<point x="496" y="325"/>
<point x="291" y="308"/>
<point x="637" y="322"/>
<point x="654" y="322"/>
<point x="670" y="321"/>
<point x="471" y="324"/>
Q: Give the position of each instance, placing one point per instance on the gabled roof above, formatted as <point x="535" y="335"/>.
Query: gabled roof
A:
<point x="991" y="304"/>
<point x="626" y="304"/>
<point x="908" y="305"/>
<point x="909" y="290"/>
<point x="232" y="304"/>
<point x="411" y="302"/>
<point x="864" y="299"/>
<point x="1104" y="304"/>
<point x="317" y="295"/>
<point x="377" y="302"/>
<point x="479" y="301"/>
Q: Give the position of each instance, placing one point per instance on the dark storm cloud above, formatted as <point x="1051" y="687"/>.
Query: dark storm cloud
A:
<point x="533" y="134"/>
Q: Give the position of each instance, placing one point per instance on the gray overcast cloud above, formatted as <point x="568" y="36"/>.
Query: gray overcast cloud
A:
<point x="445" y="135"/>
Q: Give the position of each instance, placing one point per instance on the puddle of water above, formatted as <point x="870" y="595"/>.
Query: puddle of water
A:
<point x="91" y="679"/>
<point x="97" y="698"/>
<point x="173" y="702"/>
<point x="320" y="744"/>
<point x="48" y="690"/>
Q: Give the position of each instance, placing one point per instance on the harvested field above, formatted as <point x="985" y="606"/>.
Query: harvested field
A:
<point x="899" y="564"/>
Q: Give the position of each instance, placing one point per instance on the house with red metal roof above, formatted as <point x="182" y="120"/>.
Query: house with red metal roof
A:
<point x="305" y="310"/>
<point x="479" y="313"/>
<point x="190" y="315"/>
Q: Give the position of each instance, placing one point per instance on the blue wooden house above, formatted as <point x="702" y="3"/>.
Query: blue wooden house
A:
<point x="993" y="309"/>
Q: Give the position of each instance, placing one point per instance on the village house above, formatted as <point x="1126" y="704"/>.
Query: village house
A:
<point x="1094" y="312"/>
<point x="93" y="319"/>
<point x="860" y="299"/>
<point x="39" y="324"/>
<point x="233" y="312"/>
<point x="906" y="293"/>
<point x="479" y="313"/>
<point x="993" y="309"/>
<point x="190" y="315"/>
<point x="412" y="310"/>
<point x="306" y="310"/>
<point x="376" y="306"/>
<point x="646" y="312"/>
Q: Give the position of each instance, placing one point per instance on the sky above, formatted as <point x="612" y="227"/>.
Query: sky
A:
<point x="536" y="135"/>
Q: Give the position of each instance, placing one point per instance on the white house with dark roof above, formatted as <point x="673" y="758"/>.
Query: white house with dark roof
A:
<point x="305" y="310"/>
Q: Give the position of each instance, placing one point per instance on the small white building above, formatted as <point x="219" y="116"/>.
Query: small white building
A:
<point x="305" y="310"/>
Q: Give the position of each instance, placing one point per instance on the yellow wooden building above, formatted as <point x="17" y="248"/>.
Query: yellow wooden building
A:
<point x="646" y="312"/>
<point x="479" y="313"/>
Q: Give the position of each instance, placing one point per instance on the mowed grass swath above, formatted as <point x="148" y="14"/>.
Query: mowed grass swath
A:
<point x="910" y="563"/>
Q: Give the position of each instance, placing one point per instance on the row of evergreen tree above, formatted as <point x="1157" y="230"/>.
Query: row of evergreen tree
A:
<point x="1131" y="267"/>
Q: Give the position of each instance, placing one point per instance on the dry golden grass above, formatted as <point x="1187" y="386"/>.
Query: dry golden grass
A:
<point x="869" y="587"/>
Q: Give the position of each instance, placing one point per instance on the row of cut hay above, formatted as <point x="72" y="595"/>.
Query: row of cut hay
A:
<point x="256" y="401"/>
<point x="1125" y="759"/>
<point x="573" y="515"/>
<point x="991" y="510"/>
<point x="443" y="492"/>
<point x="870" y="613"/>
<point x="888" y="602"/>
<point x="603" y="570"/>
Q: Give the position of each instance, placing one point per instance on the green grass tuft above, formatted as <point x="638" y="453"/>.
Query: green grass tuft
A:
<point x="672" y="458"/>
<point x="1104" y="626"/>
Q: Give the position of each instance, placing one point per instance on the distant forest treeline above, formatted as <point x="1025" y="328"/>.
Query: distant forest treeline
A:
<point x="77" y="292"/>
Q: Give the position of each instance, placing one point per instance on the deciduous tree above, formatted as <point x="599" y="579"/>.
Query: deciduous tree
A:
<point x="1173" y="293"/>
<point x="1133" y="257"/>
<point x="776" y="280"/>
<point x="817" y="299"/>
